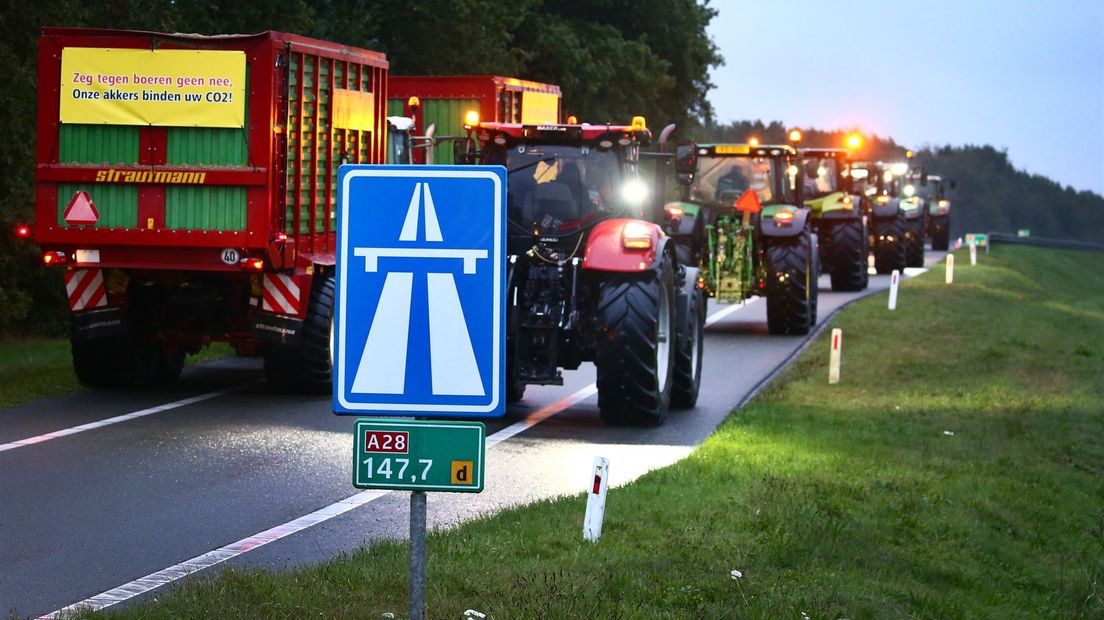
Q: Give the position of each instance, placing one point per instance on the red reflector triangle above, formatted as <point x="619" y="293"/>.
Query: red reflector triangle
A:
<point x="749" y="202"/>
<point x="81" y="210"/>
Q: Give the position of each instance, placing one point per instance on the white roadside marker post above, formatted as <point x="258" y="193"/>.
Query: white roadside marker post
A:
<point x="596" y="500"/>
<point x="950" y="268"/>
<point x="973" y="253"/>
<point x="834" y="356"/>
<point x="894" y="279"/>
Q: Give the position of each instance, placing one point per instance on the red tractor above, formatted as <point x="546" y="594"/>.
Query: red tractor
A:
<point x="591" y="275"/>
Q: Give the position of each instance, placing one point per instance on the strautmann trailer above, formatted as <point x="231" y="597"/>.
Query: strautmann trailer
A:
<point x="187" y="186"/>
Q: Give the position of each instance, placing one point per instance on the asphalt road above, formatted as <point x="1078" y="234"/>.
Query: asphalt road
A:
<point x="239" y="475"/>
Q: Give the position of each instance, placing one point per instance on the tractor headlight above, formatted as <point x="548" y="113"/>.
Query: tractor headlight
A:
<point x="634" y="192"/>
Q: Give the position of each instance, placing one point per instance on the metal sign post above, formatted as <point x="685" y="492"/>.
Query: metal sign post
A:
<point x="419" y="329"/>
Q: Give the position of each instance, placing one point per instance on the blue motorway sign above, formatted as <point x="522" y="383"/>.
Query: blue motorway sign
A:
<point x="418" y="320"/>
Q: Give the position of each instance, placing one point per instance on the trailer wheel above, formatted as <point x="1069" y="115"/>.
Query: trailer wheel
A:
<point x="688" y="354"/>
<point x="169" y="366"/>
<point x="118" y="362"/>
<point x="940" y="233"/>
<point x="845" y="251"/>
<point x="889" y="244"/>
<point x="307" y="366"/>
<point x="791" y="289"/>
<point x="914" y="244"/>
<point x="636" y="315"/>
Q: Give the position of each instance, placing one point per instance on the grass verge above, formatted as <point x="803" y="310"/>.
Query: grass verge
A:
<point x="956" y="472"/>
<point x="34" y="368"/>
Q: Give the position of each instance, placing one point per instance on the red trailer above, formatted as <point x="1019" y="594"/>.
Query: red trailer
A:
<point x="444" y="100"/>
<point x="187" y="184"/>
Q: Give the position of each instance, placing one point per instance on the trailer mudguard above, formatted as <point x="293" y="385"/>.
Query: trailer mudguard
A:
<point x="606" y="251"/>
<point x="768" y="227"/>
<point x="102" y="323"/>
<point x="885" y="210"/>
<point x="835" y="206"/>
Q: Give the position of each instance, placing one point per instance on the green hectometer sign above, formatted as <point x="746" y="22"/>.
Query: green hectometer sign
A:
<point x="416" y="455"/>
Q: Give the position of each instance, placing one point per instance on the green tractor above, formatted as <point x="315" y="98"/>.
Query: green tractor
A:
<point x="742" y="222"/>
<point x="837" y="218"/>
<point x="894" y="215"/>
<point x="937" y="207"/>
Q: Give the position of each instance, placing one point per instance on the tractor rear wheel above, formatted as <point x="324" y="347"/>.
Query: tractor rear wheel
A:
<point x="889" y="244"/>
<point x="845" y="252"/>
<point x="634" y="353"/>
<point x="307" y="365"/>
<point x="791" y="285"/>
<point x="914" y="244"/>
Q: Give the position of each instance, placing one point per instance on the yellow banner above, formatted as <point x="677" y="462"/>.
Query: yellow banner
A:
<point x="175" y="88"/>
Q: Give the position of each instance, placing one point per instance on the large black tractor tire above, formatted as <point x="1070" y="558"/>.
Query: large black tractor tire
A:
<point x="889" y="245"/>
<point x="814" y="280"/>
<point x="688" y="353"/>
<point x="635" y="349"/>
<point x="123" y="362"/>
<point x="845" y="249"/>
<point x="791" y="284"/>
<point x="307" y="366"/>
<point x="941" y="234"/>
<point x="914" y="244"/>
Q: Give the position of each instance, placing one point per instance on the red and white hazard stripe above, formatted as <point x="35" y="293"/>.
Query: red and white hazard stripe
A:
<point x="281" y="294"/>
<point x="85" y="288"/>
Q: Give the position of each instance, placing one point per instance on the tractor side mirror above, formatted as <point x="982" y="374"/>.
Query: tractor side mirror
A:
<point x="923" y="177"/>
<point x="686" y="161"/>
<point x="953" y="184"/>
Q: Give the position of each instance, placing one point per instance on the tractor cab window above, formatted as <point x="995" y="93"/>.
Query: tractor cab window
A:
<point x="558" y="187"/>
<point x="725" y="179"/>
<point x="821" y="176"/>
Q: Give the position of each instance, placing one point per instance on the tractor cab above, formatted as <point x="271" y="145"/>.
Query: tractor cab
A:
<point x="723" y="172"/>
<point x="825" y="172"/>
<point x="564" y="178"/>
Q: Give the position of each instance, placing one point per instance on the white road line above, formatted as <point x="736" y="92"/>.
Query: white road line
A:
<point x="720" y="314"/>
<point x="65" y="432"/>
<point x="211" y="558"/>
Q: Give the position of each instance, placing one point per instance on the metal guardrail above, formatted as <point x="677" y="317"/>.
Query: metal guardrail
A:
<point x="1064" y="244"/>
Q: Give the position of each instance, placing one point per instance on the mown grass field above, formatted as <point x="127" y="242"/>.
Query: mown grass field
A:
<point x="34" y="368"/>
<point x="957" y="471"/>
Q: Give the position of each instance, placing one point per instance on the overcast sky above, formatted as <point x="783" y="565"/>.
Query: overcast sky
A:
<point x="1026" y="76"/>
